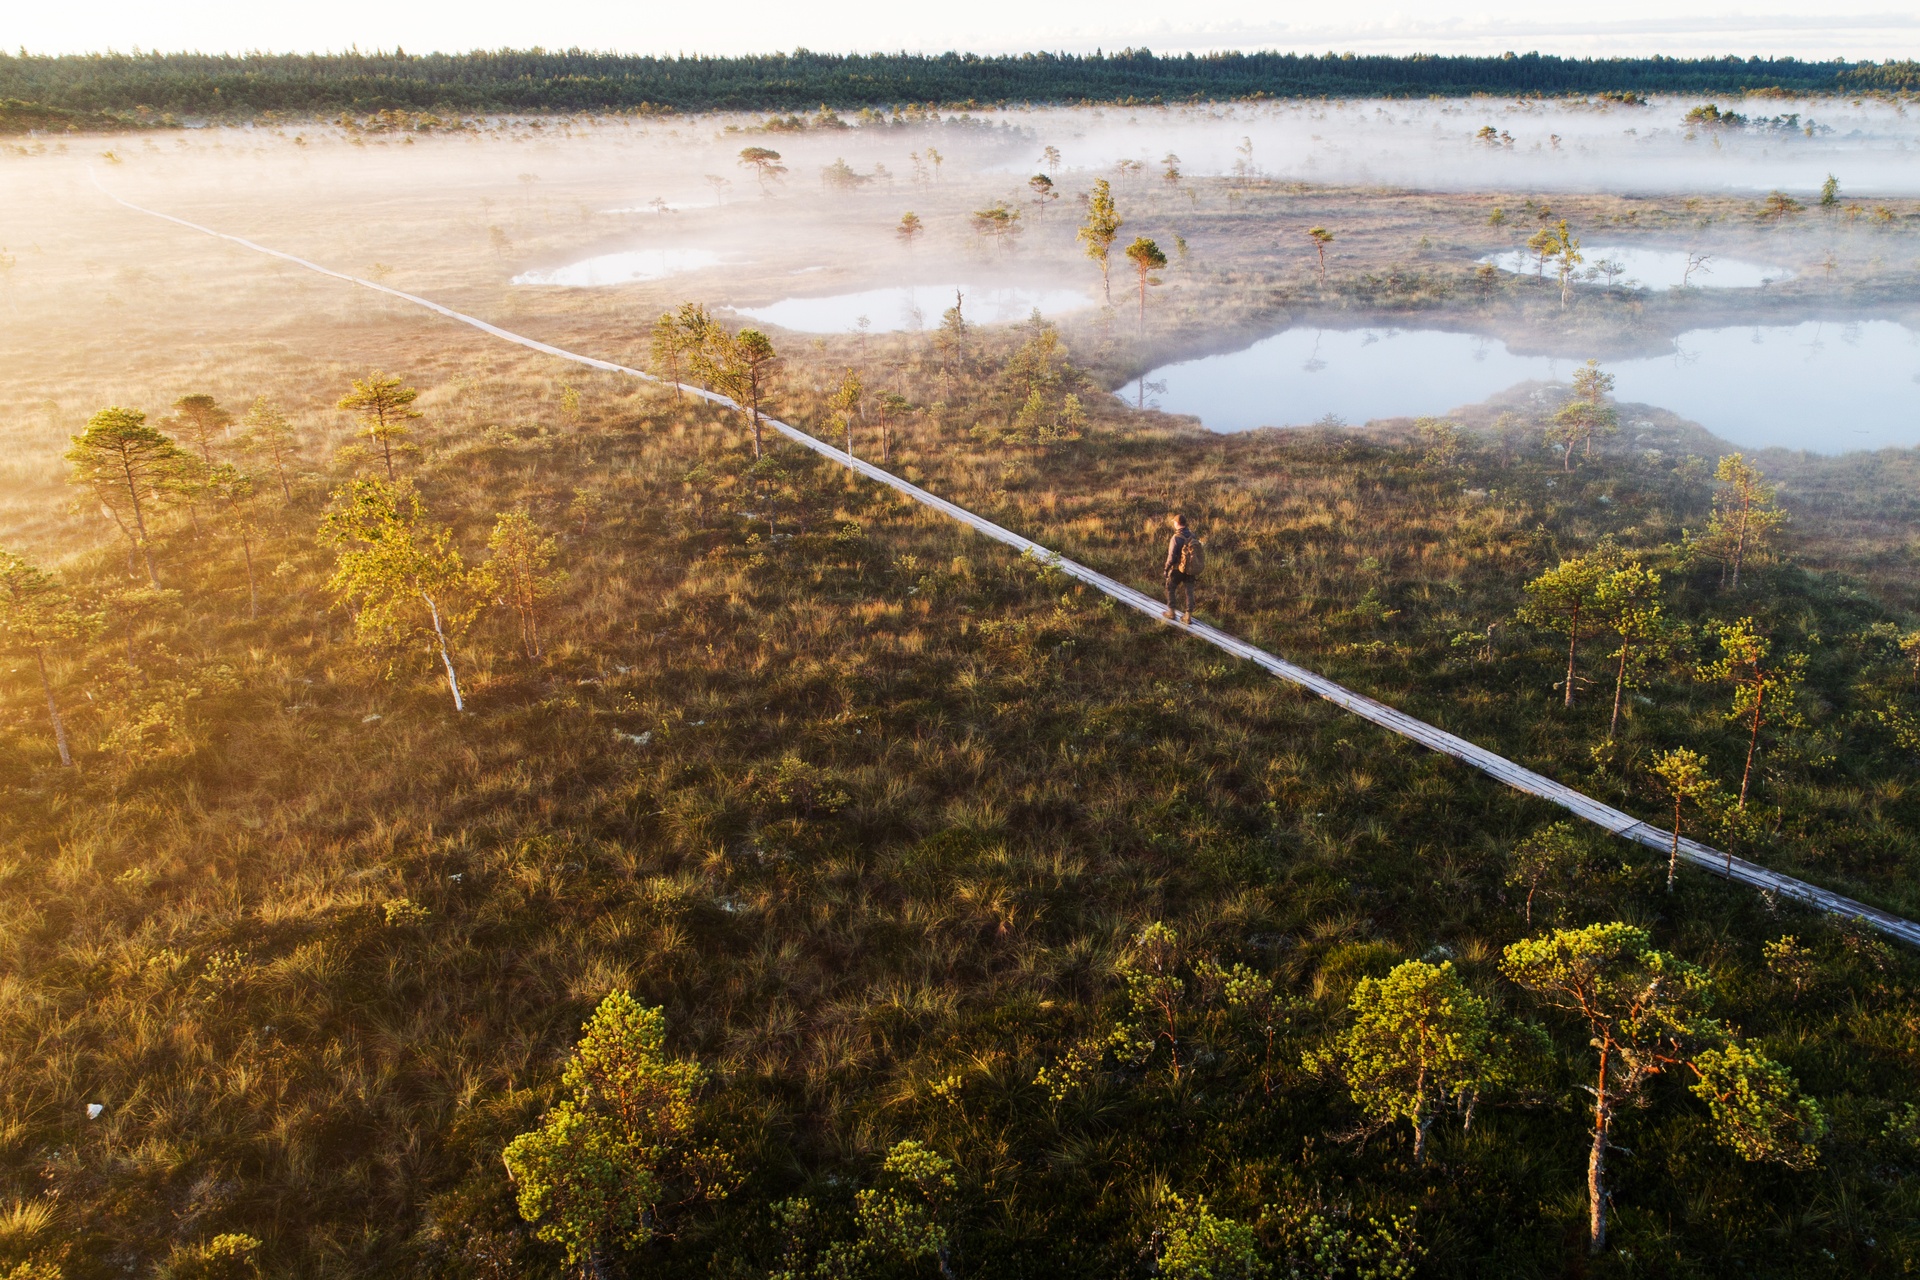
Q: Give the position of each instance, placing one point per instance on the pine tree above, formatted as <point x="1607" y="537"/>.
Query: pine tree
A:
<point x="1147" y="259"/>
<point x="268" y="433"/>
<point x="1562" y="599"/>
<point x="384" y="406"/>
<point x="36" y="616"/>
<point x="1419" y="1040"/>
<point x="130" y="468"/>
<point x="1646" y="1013"/>
<point x="1763" y="690"/>
<point x="197" y="419"/>
<point x="1745" y="516"/>
<point x="592" y="1176"/>
<point x="519" y="571"/>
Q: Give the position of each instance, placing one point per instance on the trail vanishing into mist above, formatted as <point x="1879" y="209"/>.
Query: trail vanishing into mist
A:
<point x="1495" y="766"/>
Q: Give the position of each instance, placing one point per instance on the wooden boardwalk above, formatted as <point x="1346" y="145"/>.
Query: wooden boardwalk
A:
<point x="1621" y="824"/>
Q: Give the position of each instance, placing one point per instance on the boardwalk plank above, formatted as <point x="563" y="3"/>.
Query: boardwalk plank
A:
<point x="1498" y="767"/>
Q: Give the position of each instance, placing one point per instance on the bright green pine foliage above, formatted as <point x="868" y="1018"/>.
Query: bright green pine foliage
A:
<point x="1418" y="1042"/>
<point x="878" y="816"/>
<point x="127" y="466"/>
<point x="1648" y="1013"/>
<point x="1198" y="1244"/>
<point x="591" y="1176"/>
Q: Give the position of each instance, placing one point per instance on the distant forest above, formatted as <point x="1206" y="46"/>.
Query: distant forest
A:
<point x="99" y="89"/>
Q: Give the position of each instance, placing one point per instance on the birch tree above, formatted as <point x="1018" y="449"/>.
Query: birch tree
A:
<point x="129" y="468"/>
<point x="845" y="404"/>
<point x="1101" y="230"/>
<point x="1627" y="603"/>
<point x="402" y="573"/>
<point x="1567" y="258"/>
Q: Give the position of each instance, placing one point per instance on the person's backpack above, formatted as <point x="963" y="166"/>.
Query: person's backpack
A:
<point x="1193" y="557"/>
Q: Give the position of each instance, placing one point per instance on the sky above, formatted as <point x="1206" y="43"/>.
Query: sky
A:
<point x="1857" y="29"/>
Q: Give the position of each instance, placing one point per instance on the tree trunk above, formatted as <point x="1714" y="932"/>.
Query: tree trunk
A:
<point x="446" y="656"/>
<point x="53" y="710"/>
<point x="253" y="593"/>
<point x="1619" y="687"/>
<point x="139" y="524"/>
<point x="1573" y="641"/>
<point x="1597" y="1165"/>
<point x="530" y="630"/>
<point x="1673" y="855"/>
<point x="1753" y="741"/>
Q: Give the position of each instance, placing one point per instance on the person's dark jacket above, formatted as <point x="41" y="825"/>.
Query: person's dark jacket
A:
<point x="1175" y="545"/>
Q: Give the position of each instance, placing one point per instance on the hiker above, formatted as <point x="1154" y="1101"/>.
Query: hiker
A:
<point x="1185" y="555"/>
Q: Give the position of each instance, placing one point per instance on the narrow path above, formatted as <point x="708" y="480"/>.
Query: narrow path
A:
<point x="1498" y="767"/>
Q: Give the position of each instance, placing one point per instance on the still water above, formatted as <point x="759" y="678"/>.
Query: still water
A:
<point x="1819" y="386"/>
<point x="1655" y="270"/>
<point x="911" y="307"/>
<point x="623" y="268"/>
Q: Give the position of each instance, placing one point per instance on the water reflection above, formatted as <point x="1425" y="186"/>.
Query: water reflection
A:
<point x="1653" y="269"/>
<point x="1783" y="385"/>
<point x="623" y="268"/>
<point x="910" y="307"/>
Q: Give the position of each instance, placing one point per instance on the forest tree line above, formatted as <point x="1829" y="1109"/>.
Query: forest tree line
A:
<point x="41" y="87"/>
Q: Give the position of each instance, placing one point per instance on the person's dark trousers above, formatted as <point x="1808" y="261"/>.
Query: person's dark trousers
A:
<point x="1175" y="581"/>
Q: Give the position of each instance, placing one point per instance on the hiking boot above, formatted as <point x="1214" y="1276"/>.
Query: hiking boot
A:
<point x="1167" y="614"/>
<point x="1188" y="619"/>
